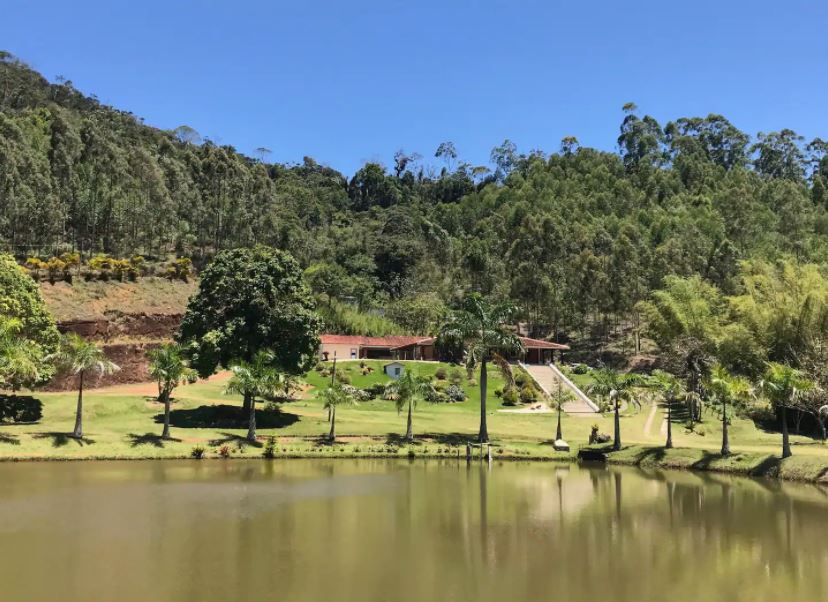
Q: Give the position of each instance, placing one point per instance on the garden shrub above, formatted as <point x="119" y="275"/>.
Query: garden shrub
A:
<point x="269" y="451"/>
<point x="510" y="397"/>
<point x="580" y="369"/>
<point x="455" y="376"/>
<point x="440" y="373"/>
<point x="528" y="394"/>
<point x="455" y="393"/>
<point x="197" y="452"/>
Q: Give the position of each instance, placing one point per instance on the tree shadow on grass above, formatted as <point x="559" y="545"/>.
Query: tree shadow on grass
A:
<point x="9" y="439"/>
<point x="148" y="439"/>
<point x="650" y="455"/>
<point x="398" y="440"/>
<point x="769" y="467"/>
<point x="61" y="439"/>
<point x="240" y="441"/>
<point x="227" y="417"/>
<point x="457" y="439"/>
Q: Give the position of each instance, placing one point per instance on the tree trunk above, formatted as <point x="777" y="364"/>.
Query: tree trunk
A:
<point x="165" y="397"/>
<point x="246" y="404"/>
<point x="617" y="441"/>
<point x="409" y="431"/>
<point x="332" y="434"/>
<point x="251" y="429"/>
<point x="725" y="440"/>
<point x="483" y="435"/>
<point x="669" y="443"/>
<point x="78" y="432"/>
<point x="558" y="434"/>
<point x="786" y="443"/>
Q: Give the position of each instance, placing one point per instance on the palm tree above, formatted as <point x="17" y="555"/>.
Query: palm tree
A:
<point x="79" y="356"/>
<point x="669" y="389"/>
<point x="783" y="384"/>
<point x="614" y="386"/>
<point x="252" y="380"/>
<point x="334" y="396"/>
<point x="560" y="398"/>
<point x="169" y="367"/>
<point x="725" y="388"/>
<point x="482" y="328"/>
<point x="406" y="392"/>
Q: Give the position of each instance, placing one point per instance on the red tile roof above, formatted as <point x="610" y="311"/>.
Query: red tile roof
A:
<point x="539" y="344"/>
<point x="396" y="342"/>
<point x="360" y="341"/>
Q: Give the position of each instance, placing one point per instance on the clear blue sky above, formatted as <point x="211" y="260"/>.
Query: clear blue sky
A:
<point x="349" y="81"/>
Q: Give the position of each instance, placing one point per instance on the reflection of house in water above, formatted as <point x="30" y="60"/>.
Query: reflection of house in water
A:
<point x="417" y="348"/>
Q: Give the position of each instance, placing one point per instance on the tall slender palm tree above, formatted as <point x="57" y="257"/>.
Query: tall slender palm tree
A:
<point x="253" y="380"/>
<point x="482" y="328"/>
<point x="726" y="388"/>
<point x="559" y="399"/>
<point x="334" y="396"/>
<point x="80" y="357"/>
<point x="406" y="392"/>
<point x="783" y="384"/>
<point x="670" y="389"/>
<point x="169" y="367"/>
<point x="614" y="386"/>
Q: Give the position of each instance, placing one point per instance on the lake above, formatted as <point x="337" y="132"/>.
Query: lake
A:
<point x="376" y="530"/>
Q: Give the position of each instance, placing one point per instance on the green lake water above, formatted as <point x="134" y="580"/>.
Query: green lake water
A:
<point x="373" y="530"/>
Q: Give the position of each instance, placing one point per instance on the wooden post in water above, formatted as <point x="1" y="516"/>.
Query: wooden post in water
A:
<point x="468" y="452"/>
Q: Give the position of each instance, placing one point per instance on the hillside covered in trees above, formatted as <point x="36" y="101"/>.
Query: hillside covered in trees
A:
<point x="578" y="238"/>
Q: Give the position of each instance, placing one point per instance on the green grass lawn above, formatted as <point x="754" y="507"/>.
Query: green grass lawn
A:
<point x="124" y="422"/>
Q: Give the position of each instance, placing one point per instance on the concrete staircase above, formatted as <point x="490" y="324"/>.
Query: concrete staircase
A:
<point x="548" y="376"/>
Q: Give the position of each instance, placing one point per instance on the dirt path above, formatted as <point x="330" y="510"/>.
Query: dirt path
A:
<point x="151" y="388"/>
<point x="648" y="425"/>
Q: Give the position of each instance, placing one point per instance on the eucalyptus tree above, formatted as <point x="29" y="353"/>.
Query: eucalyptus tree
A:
<point x="725" y="388"/>
<point x="332" y="397"/>
<point x="482" y="328"/>
<point x="406" y="392"/>
<point x="784" y="384"/>
<point x="169" y="367"/>
<point x="614" y="386"/>
<point x="670" y="389"/>
<point x="254" y="379"/>
<point x="81" y="357"/>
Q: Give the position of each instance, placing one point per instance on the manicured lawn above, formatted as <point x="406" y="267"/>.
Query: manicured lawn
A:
<point x="123" y="422"/>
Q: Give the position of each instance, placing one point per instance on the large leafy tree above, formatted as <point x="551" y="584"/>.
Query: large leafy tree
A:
<point x="81" y="357"/>
<point x="169" y="367"/>
<point x="251" y="301"/>
<point x="614" y="386"/>
<point x="407" y="391"/>
<point x="784" y="385"/>
<point x="482" y="328"/>
<point x="28" y="329"/>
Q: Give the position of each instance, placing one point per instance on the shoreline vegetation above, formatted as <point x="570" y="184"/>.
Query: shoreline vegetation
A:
<point x="124" y="422"/>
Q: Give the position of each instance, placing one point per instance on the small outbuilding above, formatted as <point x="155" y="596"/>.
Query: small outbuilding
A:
<point x="394" y="370"/>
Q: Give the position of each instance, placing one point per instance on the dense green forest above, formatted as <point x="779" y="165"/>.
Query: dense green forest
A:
<point x="577" y="238"/>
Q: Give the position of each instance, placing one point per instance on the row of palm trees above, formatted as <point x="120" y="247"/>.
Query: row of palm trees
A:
<point x="781" y="384"/>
